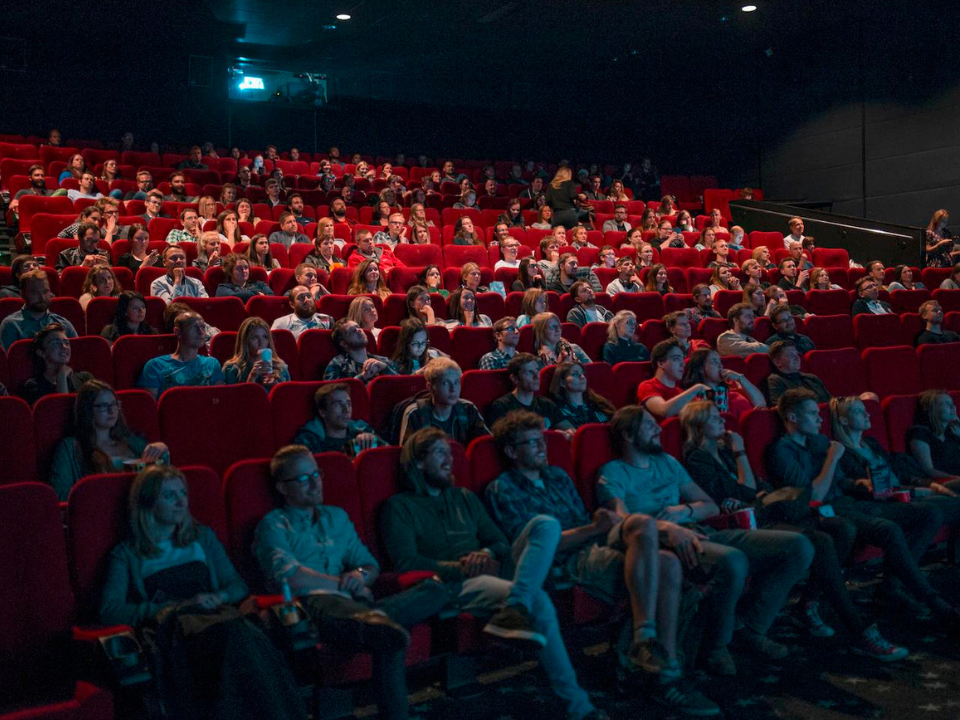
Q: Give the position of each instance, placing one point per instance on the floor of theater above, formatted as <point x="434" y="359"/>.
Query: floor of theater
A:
<point x="820" y="679"/>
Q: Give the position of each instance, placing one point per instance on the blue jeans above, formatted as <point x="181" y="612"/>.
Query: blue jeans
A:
<point x="774" y="560"/>
<point x="533" y="552"/>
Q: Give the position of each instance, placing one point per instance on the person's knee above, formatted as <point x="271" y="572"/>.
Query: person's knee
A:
<point x="671" y="570"/>
<point x="733" y="567"/>
<point x="642" y="528"/>
<point x="801" y="550"/>
<point x="545" y="527"/>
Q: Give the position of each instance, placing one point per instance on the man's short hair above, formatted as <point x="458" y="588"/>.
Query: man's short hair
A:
<point x="670" y="319"/>
<point x="168" y="248"/>
<point x="922" y="309"/>
<point x="336" y="337"/>
<point x="143" y="173"/>
<point x="863" y="281"/>
<point x="623" y="260"/>
<point x="325" y="391"/>
<point x="176" y="173"/>
<point x="625" y="422"/>
<point x="784" y="262"/>
<point x="283" y="457"/>
<point x="291" y="197"/>
<point x="272" y="182"/>
<point x="778" y="311"/>
<point x="502" y="323"/>
<point x="33" y="168"/>
<point x="185" y="317"/>
<point x="18" y="262"/>
<point x="186" y="210"/>
<point x="779" y="347"/>
<point x="507" y="429"/>
<point x="793" y="221"/>
<point x="85" y="226"/>
<point x="516" y="363"/>
<point x="155" y="193"/>
<point x="37" y="275"/>
<point x="661" y="349"/>
<point x="734" y="313"/>
<point x="566" y="256"/>
<point x="791" y="400"/>
<point x="438" y="366"/>
<point x="699" y="287"/>
<point x="284" y="215"/>
<point x="361" y="233"/>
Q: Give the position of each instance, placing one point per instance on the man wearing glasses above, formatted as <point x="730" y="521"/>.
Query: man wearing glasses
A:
<point x="314" y="549"/>
<point x="176" y="283"/>
<point x="144" y="185"/>
<point x="154" y="205"/>
<point x="395" y="233"/>
<point x="508" y="337"/>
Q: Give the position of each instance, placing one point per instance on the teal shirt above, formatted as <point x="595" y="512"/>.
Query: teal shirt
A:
<point x="68" y="468"/>
<point x="162" y="373"/>
<point x="643" y="491"/>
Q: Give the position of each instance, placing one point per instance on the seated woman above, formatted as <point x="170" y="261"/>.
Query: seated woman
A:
<point x="238" y="283"/>
<point x="255" y="359"/>
<point x="732" y="392"/>
<point x="534" y="302"/>
<point x="762" y="255"/>
<point x="138" y="257"/>
<point x="129" y="318"/>
<point x="717" y="463"/>
<point x="549" y="345"/>
<point x="100" y="282"/>
<point x="617" y="193"/>
<point x="576" y="402"/>
<point x="723" y="279"/>
<point x="549" y="254"/>
<point x="648" y="220"/>
<point x="432" y="279"/>
<point x="685" y="222"/>
<point x="953" y="281"/>
<point x="462" y="310"/>
<point x="903" y="280"/>
<point x="208" y="251"/>
<point x="509" y="250"/>
<point x="470" y="278"/>
<point x="381" y="215"/>
<point x="228" y="228"/>
<point x="50" y="352"/>
<point x="529" y="275"/>
<point x="644" y="256"/>
<point x="657" y="280"/>
<point x="258" y="253"/>
<point x="363" y="311"/>
<point x="419" y="307"/>
<point x="367" y="280"/>
<point x="667" y="206"/>
<point x="207" y="209"/>
<point x="820" y="280"/>
<point x="324" y="254"/>
<point x="102" y="442"/>
<point x="622" y="344"/>
<point x="173" y="574"/>
<point x="633" y="240"/>
<point x="544" y="219"/>
<point x="418" y="216"/>
<point x="513" y="215"/>
<point x="754" y="273"/>
<point x="934" y="439"/>
<point x="680" y="325"/>
<point x="464" y="232"/>
<point x="708" y="236"/>
<point x="776" y="296"/>
<point x="754" y="297"/>
<point x="413" y="350"/>
<point x="245" y="212"/>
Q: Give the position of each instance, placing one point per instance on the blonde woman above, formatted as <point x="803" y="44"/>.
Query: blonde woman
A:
<point x="549" y="345"/>
<point x="255" y="359"/>
<point x="561" y="196"/>
<point x="622" y="344"/>
<point x="207" y="209"/>
<point x="100" y="282"/>
<point x="363" y="311"/>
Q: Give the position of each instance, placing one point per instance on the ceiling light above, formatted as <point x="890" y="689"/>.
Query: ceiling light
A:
<point x="749" y="8"/>
<point x="343" y="16"/>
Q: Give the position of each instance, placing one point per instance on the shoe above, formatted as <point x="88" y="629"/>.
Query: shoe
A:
<point x="720" y="662"/>
<point x="807" y="616"/>
<point x="762" y="645"/>
<point x="686" y="702"/>
<point x="649" y="656"/>
<point x="513" y="623"/>
<point x="872" y="644"/>
<point x="379" y="632"/>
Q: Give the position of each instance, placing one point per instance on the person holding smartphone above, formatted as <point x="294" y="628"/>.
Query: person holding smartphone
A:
<point x="88" y="253"/>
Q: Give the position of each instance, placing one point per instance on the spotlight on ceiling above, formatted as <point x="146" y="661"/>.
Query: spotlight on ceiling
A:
<point x="343" y="16"/>
<point x="749" y="8"/>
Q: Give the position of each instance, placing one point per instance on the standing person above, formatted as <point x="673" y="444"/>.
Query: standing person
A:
<point x="940" y="248"/>
<point x="561" y="196"/>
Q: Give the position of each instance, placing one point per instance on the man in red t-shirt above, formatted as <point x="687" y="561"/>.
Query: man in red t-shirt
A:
<point x="661" y="395"/>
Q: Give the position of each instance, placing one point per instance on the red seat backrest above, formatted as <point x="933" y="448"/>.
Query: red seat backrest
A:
<point x="899" y="412"/>
<point x="267" y="307"/>
<point x="482" y="387"/>
<point x="939" y="368"/>
<point x="761" y="429"/>
<point x="828" y="302"/>
<point x="131" y="353"/>
<point x="592" y="449"/>
<point x="485" y="462"/>
<point x="829" y="332"/>
<point x="645" y="305"/>
<point x="892" y="370"/>
<point x="18" y="456"/>
<point x="291" y="406"/>
<point x="419" y="255"/>
<point x="874" y="331"/>
<point x="88" y="353"/>
<point x="223" y="313"/>
<point x="387" y="391"/>
<point x="841" y="370"/>
<point x="471" y="343"/>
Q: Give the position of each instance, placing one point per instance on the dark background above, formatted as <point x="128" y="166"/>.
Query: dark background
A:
<point x="853" y="102"/>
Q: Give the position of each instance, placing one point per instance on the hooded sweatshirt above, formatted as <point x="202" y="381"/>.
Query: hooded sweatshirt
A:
<point x="429" y="529"/>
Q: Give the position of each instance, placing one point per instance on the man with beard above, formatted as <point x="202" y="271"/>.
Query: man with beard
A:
<point x="334" y="428"/>
<point x="35" y="313"/>
<point x="191" y="228"/>
<point x="21" y="265"/>
<point x="354" y="361"/>
<point x="194" y="160"/>
<point x="144" y="185"/>
<point x="88" y="188"/>
<point x="304" y="316"/>
<point x="534" y="192"/>
<point x="609" y="554"/>
<point x="737" y="340"/>
<point x="295" y="206"/>
<point x="338" y="211"/>
<point x="435" y="526"/>
<point x="178" y="189"/>
<point x="87" y="253"/>
<point x="38" y="186"/>
<point x="703" y="301"/>
<point x="243" y="177"/>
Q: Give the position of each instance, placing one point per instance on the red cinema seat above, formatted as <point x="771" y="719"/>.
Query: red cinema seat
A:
<point x="456" y="256"/>
<point x="18" y="456"/>
<point x="712" y="328"/>
<point x="627" y="376"/>
<point x="831" y="258"/>
<point x="873" y="331"/>
<point x="939" y="366"/>
<point x="830" y="332"/>
<point x="761" y="428"/>
<point x="388" y="391"/>
<point x="680" y="257"/>
<point x="593" y="336"/>
<point x="419" y="255"/>
<point x="88" y="353"/>
<point x="283" y="280"/>
<point x="482" y="387"/>
<point x="100" y="312"/>
<point x="828" y="302"/>
<point x="31" y="205"/>
<point x="892" y="370"/>
<point x="723" y="300"/>
<point x="216" y="426"/>
<point x="316" y="351"/>
<point x="772" y="240"/>
<point x="757" y="367"/>
<point x="224" y="313"/>
<point x="4" y="369"/>
<point x="645" y="305"/>
<point x="841" y="370"/>
<point x="401" y="279"/>
<point x="337" y="305"/>
<point x="485" y="462"/>
<point x="949" y="299"/>
<point x="267" y="307"/>
<point x="908" y="301"/>
<point x="38" y="613"/>
<point x="291" y="406"/>
<point x="899" y="412"/>
<point x="469" y="344"/>
<point x="592" y="448"/>
<point x="131" y="353"/>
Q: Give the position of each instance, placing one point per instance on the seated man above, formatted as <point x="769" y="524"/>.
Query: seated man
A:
<point x="354" y="361"/>
<point x="307" y="276"/>
<point x="35" y="313"/>
<point x="619" y="222"/>
<point x="507" y="337"/>
<point x="314" y="550"/>
<point x="295" y="205"/>
<point x="88" y="188"/>
<point x="191" y="228"/>
<point x="737" y="340"/>
<point x="786" y="375"/>
<point x="185" y="367"/>
<point x="585" y="308"/>
<point x="367" y="250"/>
<point x="524" y="371"/>
<point x="791" y="278"/>
<point x="627" y="278"/>
<point x="803" y="458"/>
<point x="798" y="255"/>
<point x="38" y="186"/>
<point x="442" y="407"/>
<point x="178" y="189"/>
<point x="21" y="265"/>
<point x="646" y="480"/>
<point x="561" y="278"/>
<point x="153" y="207"/>
<point x="681" y="325"/>
<point x="176" y="283"/>
<point x="435" y="526"/>
<point x="304" y="316"/>
<point x="661" y="394"/>
<point x="395" y="233"/>
<point x="87" y="253"/>
<point x="786" y="329"/>
<point x="703" y="301"/>
<point x="194" y="160"/>
<point x="868" y="301"/>
<point x="289" y="232"/>
<point x="610" y="556"/>
<point x="144" y="185"/>
<point x="334" y="429"/>
<point x="932" y="314"/>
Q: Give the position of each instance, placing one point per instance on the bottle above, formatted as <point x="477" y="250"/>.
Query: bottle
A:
<point x="288" y="612"/>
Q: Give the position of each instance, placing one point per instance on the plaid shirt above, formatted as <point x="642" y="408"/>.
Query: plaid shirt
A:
<point x="343" y="366"/>
<point x="494" y="360"/>
<point x="514" y="500"/>
<point x="175" y="237"/>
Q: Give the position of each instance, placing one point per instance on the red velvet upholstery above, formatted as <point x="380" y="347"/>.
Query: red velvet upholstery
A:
<point x="892" y="370"/>
<point x="131" y="353"/>
<point x="17" y="446"/>
<point x="291" y="406"/>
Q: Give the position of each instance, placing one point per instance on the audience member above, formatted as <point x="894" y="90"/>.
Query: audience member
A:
<point x="138" y="256"/>
<point x="367" y="250"/>
<point x="100" y="282"/>
<point x="903" y="279"/>
<point x="934" y="439"/>
<point x="35" y="313"/>
<point x="867" y="302"/>
<point x="932" y="315"/>
<point x="20" y="265"/>
<point x="703" y="301"/>
<point x="796" y="232"/>
<point x="568" y="272"/>
<point x="289" y="232"/>
<point x="662" y="394"/>
<point x="442" y="406"/>
<point x="237" y="270"/>
<point x="657" y="280"/>
<point x="432" y="279"/>
<point x="535" y="301"/>
<point x="524" y="372"/>
<point x="304" y="316"/>
<point x="680" y="326"/>
<point x="940" y="248"/>
<point x="877" y="272"/>
<point x="786" y="329"/>
<point x="208" y="251"/>
<point x="334" y="428"/>
<point x="255" y="358"/>
<point x="586" y="309"/>
<point x="549" y="345"/>
<point x="176" y="283"/>
<point x="507" y="335"/>
<point x="87" y="253"/>
<point x="622" y="344"/>
<point x="619" y="221"/>
<point x="627" y="279"/>
<point x="577" y="403"/>
<point x="185" y="367"/>
<point x="50" y="352"/>
<point x="730" y="391"/>
<point x="470" y="277"/>
<point x="420" y="306"/>
<point x="368" y="280"/>
<point x="737" y="340"/>
<point x="129" y="317"/>
<point x="462" y="310"/>
<point x="353" y="361"/>
<point x="790" y="277"/>
<point x="413" y="351"/>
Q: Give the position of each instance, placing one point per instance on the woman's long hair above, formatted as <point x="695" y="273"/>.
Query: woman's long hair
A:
<point x="92" y="459"/>
<point x="241" y="353"/>
<point x="401" y="359"/>
<point x="358" y="284"/>
<point x="559" y="392"/>
<point x="143" y="499"/>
